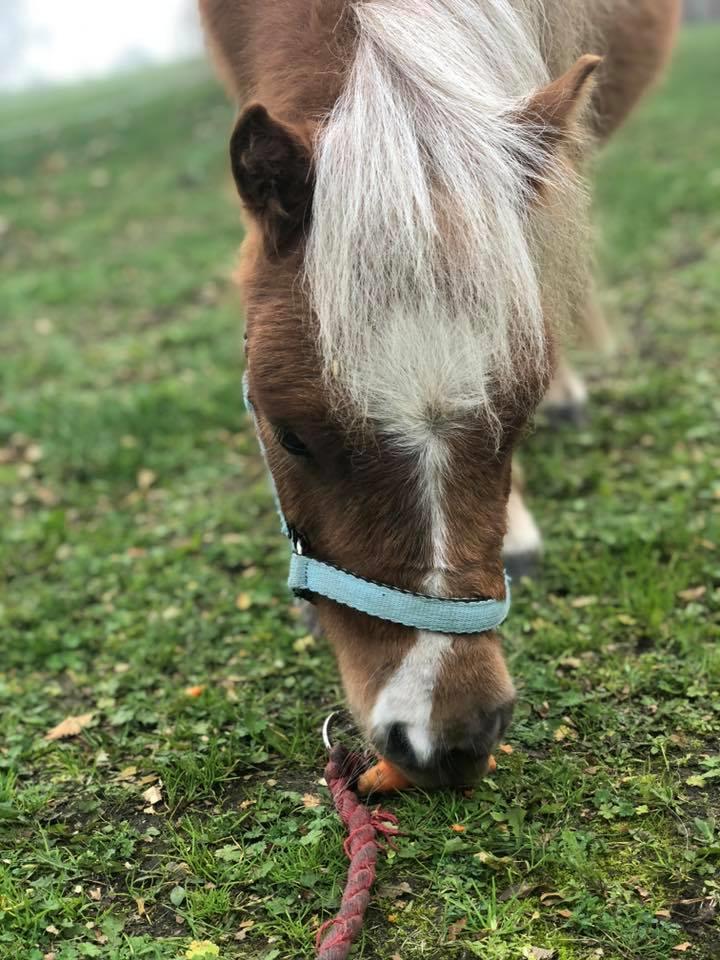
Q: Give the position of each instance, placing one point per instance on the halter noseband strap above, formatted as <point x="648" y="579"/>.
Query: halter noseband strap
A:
<point x="310" y="577"/>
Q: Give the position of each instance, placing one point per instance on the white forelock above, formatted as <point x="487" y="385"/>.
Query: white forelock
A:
<point x="421" y="263"/>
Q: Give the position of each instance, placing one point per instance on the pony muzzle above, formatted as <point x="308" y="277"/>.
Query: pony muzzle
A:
<point x="444" y="760"/>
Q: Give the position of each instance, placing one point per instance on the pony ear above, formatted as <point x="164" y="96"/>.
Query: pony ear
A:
<point x="555" y="108"/>
<point x="272" y="167"/>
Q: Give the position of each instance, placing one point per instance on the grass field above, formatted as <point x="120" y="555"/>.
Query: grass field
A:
<point x="142" y="581"/>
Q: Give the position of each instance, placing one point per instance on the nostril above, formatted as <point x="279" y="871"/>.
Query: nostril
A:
<point x="490" y="728"/>
<point x="503" y="716"/>
<point x="397" y="746"/>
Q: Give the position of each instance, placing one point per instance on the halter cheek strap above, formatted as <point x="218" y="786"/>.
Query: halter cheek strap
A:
<point x="310" y="577"/>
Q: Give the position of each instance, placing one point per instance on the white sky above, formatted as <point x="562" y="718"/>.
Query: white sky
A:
<point x="70" y="39"/>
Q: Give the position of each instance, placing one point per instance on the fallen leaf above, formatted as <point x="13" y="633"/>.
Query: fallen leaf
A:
<point x="140" y="903"/>
<point x="565" y="914"/>
<point x="663" y="914"/>
<point x="570" y="663"/>
<point x="579" y="602"/>
<point x="517" y="892"/>
<point x="177" y="896"/>
<point x="196" y="691"/>
<point x="505" y="748"/>
<point x="145" y="479"/>
<point x="70" y="727"/>
<point x="683" y="947"/>
<point x="127" y="773"/>
<point x="95" y="893"/>
<point x="310" y="801"/>
<point x="458" y="828"/>
<point x="245" y="928"/>
<point x="152" y="796"/>
<point x="694" y="593"/>
<point x="455" y="929"/>
<point x="538" y="953"/>
<point x="551" y="895"/>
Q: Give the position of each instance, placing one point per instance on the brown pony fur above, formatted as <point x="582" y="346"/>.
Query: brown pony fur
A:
<point x="285" y="64"/>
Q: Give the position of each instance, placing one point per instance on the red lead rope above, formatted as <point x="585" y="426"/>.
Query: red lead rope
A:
<point x="336" y="937"/>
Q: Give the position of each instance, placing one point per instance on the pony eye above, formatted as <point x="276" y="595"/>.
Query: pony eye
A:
<point x="291" y="442"/>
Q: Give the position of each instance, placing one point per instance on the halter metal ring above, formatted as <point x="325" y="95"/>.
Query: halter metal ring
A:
<point x="326" y="731"/>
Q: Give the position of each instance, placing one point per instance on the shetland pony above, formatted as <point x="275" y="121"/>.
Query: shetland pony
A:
<point x="412" y="173"/>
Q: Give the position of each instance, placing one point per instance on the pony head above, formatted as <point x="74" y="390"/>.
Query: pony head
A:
<point x="400" y="276"/>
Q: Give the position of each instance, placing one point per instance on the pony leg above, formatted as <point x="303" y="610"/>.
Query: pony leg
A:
<point x="523" y="545"/>
<point x="566" y="399"/>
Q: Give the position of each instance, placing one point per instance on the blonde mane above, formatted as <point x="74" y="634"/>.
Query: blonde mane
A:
<point x="427" y="261"/>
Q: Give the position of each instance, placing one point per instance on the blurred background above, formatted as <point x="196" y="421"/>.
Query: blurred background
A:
<point x="142" y="574"/>
<point x="43" y="42"/>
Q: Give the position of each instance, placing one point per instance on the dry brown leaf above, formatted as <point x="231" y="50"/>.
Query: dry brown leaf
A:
<point x="571" y="663"/>
<point x="127" y="773"/>
<point x="70" y="727"/>
<point x="550" y="896"/>
<point x="152" y="796"/>
<point x="683" y="947"/>
<point x="145" y="479"/>
<point x="579" y="602"/>
<point x="517" y="891"/>
<point x="538" y="953"/>
<point x="95" y="893"/>
<point x="140" y="903"/>
<point x="505" y="748"/>
<point x="310" y="801"/>
<point x="663" y="914"/>
<point x="455" y="929"/>
<point x="693" y="593"/>
<point x="565" y="914"/>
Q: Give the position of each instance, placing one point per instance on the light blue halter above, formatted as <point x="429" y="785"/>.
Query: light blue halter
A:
<point x="310" y="577"/>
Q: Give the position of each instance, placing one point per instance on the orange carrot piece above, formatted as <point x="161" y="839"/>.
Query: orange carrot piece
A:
<point x="382" y="778"/>
<point x="386" y="778"/>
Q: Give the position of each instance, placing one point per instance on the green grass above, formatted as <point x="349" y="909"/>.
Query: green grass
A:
<point x="135" y="513"/>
